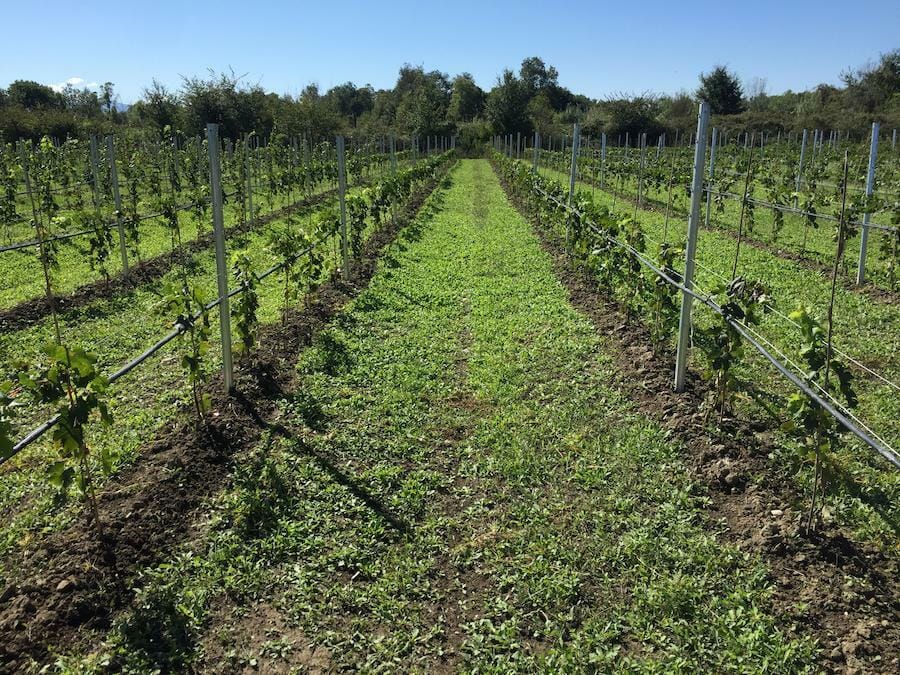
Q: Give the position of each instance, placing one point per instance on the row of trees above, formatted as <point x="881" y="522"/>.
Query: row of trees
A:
<point x="430" y="102"/>
<point x="870" y="93"/>
<point x="30" y="109"/>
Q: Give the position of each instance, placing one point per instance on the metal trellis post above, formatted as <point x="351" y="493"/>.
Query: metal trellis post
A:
<point x="870" y="186"/>
<point x="248" y="167"/>
<point x="602" y="158"/>
<point x="576" y="136"/>
<point x="215" y="185"/>
<point x="712" y="170"/>
<point x="342" y="186"/>
<point x="95" y="172"/>
<point x="802" y="157"/>
<point x="117" y="198"/>
<point x="684" y="326"/>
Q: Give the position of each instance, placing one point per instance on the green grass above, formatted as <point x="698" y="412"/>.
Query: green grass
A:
<point x="455" y="484"/>
<point x="867" y="492"/>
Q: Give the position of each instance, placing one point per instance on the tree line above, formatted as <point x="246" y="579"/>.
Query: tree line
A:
<point x="425" y="103"/>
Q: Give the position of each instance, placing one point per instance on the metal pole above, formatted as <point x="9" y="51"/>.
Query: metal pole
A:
<point x="248" y="167"/>
<point x="342" y="186"/>
<point x="602" y="157"/>
<point x="870" y="186"/>
<point x="894" y="140"/>
<point x="95" y="172"/>
<point x="642" y="144"/>
<point x="215" y="186"/>
<point x="576" y="136"/>
<point x="393" y="155"/>
<point x="684" y="325"/>
<point x="802" y="157"/>
<point x="712" y="170"/>
<point x="537" y="141"/>
<point x="114" y="180"/>
<point x="574" y="167"/>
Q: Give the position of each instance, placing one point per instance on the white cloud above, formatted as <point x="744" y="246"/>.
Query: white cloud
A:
<point x="75" y="82"/>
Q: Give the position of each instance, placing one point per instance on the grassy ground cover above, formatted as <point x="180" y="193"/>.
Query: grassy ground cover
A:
<point x="456" y="485"/>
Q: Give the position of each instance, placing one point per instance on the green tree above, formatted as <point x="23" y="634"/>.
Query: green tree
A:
<point x="311" y="116"/>
<point x="722" y="91"/>
<point x="351" y="101"/>
<point x="633" y="115"/>
<point x="379" y="121"/>
<point x="507" y="105"/>
<point x="679" y="112"/>
<point x="424" y="101"/>
<point x="536" y="75"/>
<point x="83" y="102"/>
<point x="540" y="113"/>
<point x="466" y="99"/>
<point x="872" y="87"/>
<point x="226" y="101"/>
<point x="108" y="97"/>
<point x="31" y="95"/>
<point x="158" y="106"/>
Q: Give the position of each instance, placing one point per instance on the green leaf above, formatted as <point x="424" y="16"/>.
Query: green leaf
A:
<point x="59" y="475"/>
<point x="106" y="461"/>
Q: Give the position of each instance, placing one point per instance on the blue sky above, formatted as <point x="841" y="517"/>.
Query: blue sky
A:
<point x="599" y="48"/>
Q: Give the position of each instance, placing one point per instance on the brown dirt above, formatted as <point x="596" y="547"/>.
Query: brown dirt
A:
<point x="239" y="646"/>
<point x="848" y="588"/>
<point x="73" y="583"/>
<point x="31" y="311"/>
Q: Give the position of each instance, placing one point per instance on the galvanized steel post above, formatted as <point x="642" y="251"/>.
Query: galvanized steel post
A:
<point x="870" y="186"/>
<point x="684" y="326"/>
<point x="342" y="187"/>
<point x="576" y="136"/>
<point x="712" y="170"/>
<point x="117" y="199"/>
<point x="215" y="185"/>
